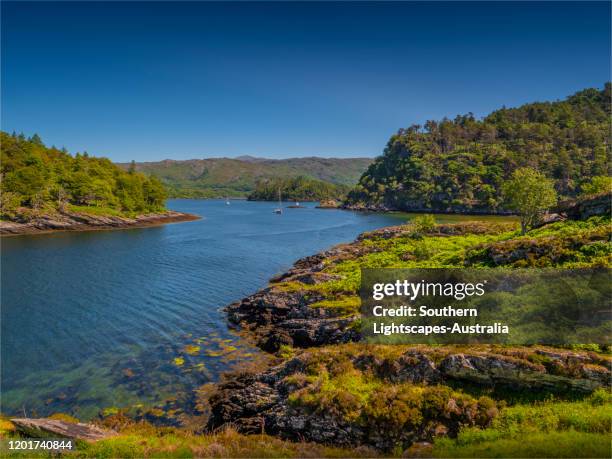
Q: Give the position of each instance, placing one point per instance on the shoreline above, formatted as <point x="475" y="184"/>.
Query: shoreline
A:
<point x="375" y="209"/>
<point x="80" y="222"/>
<point x="317" y="344"/>
<point x="273" y="316"/>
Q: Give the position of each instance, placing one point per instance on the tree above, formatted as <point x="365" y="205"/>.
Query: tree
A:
<point x="36" y="178"/>
<point x="529" y="193"/>
<point x="598" y="184"/>
<point x="459" y="165"/>
<point x="424" y="224"/>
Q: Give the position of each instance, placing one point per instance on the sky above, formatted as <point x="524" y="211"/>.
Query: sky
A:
<point x="148" y="81"/>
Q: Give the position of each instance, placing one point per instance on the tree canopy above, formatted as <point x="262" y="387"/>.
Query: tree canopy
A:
<point x="36" y="177"/>
<point x="460" y="165"/>
<point x="297" y="189"/>
<point x="529" y="193"/>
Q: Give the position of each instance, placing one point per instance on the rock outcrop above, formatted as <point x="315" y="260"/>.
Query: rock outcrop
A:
<point x="73" y="221"/>
<point x="282" y="315"/>
<point x="45" y="427"/>
<point x="306" y="397"/>
<point x="267" y="401"/>
<point x="589" y="206"/>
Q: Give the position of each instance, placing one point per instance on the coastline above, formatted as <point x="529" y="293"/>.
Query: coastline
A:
<point x="423" y="210"/>
<point x="280" y="315"/>
<point x="312" y="393"/>
<point x="70" y="221"/>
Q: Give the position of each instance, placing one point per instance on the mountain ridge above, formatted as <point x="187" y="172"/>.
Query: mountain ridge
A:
<point x="235" y="177"/>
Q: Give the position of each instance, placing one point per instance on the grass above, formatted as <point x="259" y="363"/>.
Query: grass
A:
<point x="571" y="244"/>
<point x="544" y="429"/>
<point x="568" y="444"/>
<point x="145" y="441"/>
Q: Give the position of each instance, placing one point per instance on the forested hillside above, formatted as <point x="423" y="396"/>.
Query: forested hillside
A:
<point x="37" y="179"/>
<point x="297" y="189"/>
<point x="220" y="177"/>
<point x="459" y="165"/>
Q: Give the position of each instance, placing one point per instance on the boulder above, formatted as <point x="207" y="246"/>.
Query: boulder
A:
<point x="44" y="427"/>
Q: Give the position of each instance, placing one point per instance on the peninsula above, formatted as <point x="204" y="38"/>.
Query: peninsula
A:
<point x="46" y="189"/>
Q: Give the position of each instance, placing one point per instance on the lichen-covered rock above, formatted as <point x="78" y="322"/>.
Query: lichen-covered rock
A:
<point x="74" y="221"/>
<point x="589" y="206"/>
<point x="45" y="427"/>
<point x="359" y="394"/>
<point x="286" y="401"/>
<point x="536" y="251"/>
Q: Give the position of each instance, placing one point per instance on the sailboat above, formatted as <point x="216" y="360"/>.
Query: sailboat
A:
<point x="227" y="203"/>
<point x="279" y="209"/>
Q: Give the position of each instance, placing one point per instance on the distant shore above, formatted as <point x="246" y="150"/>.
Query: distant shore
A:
<point x="72" y="221"/>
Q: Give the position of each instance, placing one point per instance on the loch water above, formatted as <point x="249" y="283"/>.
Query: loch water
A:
<point x="104" y="320"/>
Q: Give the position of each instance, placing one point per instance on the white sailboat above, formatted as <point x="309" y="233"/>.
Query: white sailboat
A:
<point x="279" y="210"/>
<point x="227" y="203"/>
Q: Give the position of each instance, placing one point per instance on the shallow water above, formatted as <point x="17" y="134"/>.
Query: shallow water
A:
<point x="108" y="319"/>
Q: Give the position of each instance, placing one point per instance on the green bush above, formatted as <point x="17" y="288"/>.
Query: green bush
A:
<point x="424" y="224"/>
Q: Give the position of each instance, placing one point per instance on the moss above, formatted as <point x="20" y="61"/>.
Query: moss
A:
<point x="285" y="352"/>
<point x="64" y="417"/>
<point x="342" y="306"/>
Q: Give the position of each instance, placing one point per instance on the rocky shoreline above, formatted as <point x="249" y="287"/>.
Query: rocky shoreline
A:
<point x="275" y="316"/>
<point x="73" y="221"/>
<point x="425" y="210"/>
<point x="266" y="402"/>
<point x="576" y="208"/>
<point x="289" y="400"/>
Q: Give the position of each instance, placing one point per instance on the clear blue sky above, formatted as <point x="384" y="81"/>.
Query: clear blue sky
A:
<point x="149" y="81"/>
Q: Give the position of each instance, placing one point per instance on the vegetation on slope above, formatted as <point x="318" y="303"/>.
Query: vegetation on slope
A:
<point x="142" y="440"/>
<point x="386" y="393"/>
<point x="548" y="428"/>
<point x="39" y="180"/>
<point x="297" y="189"/>
<point x="460" y="165"/>
<point x="363" y="387"/>
<point x="220" y="177"/>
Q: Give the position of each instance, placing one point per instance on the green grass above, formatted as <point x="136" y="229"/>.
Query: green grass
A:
<point x="145" y="441"/>
<point x="589" y="246"/>
<point x="570" y="444"/>
<point x="545" y="429"/>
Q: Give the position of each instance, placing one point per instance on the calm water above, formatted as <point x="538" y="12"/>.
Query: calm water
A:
<point x="128" y="318"/>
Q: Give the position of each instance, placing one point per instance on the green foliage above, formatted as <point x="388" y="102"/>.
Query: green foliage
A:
<point x="460" y="165"/>
<point x="569" y="244"/>
<point x="598" y="184"/>
<point x="347" y="383"/>
<point x="296" y="189"/>
<point x="37" y="178"/>
<point x="529" y="193"/>
<point x="552" y="429"/>
<point x="424" y="223"/>
<point x="145" y="441"/>
<point x="221" y="177"/>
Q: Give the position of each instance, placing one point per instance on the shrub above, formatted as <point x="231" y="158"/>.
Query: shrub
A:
<point x="424" y="224"/>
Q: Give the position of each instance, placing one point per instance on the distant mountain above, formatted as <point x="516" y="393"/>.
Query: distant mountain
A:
<point x="219" y="177"/>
